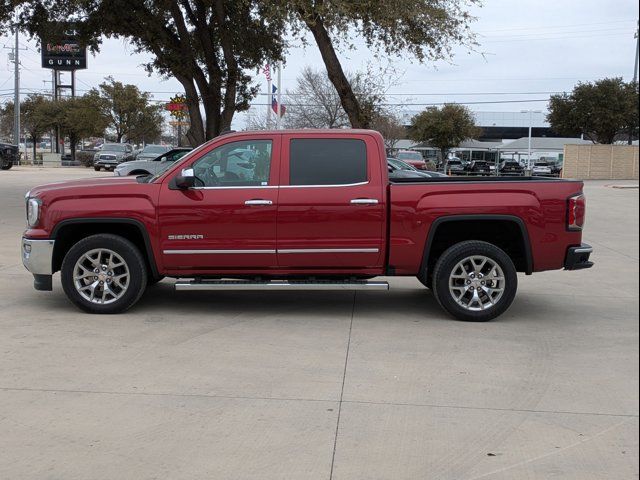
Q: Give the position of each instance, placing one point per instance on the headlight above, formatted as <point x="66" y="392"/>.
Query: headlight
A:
<point x="33" y="211"/>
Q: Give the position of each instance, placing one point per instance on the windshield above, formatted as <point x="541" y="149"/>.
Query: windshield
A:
<point x="153" y="178"/>
<point x="114" y="147"/>
<point x="154" y="149"/>
<point x="409" y="156"/>
<point x="399" y="164"/>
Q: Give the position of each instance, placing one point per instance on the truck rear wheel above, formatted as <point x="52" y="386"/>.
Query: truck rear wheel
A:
<point x="7" y="166"/>
<point x="104" y="273"/>
<point x="475" y="281"/>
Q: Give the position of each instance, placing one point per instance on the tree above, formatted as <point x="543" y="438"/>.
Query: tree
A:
<point x="444" y="128"/>
<point x="390" y="128"/>
<point x="314" y="102"/>
<point x="37" y="115"/>
<point x="208" y="46"/>
<point x="601" y="111"/>
<point x="79" y="118"/>
<point x="128" y="111"/>
<point x="425" y="29"/>
<point x="6" y="122"/>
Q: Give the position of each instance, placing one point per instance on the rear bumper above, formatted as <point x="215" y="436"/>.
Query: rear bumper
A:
<point x="578" y="257"/>
<point x="37" y="257"/>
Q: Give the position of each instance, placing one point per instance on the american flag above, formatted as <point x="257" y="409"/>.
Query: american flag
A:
<point x="267" y="72"/>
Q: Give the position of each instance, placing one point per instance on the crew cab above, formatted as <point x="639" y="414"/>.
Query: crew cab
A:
<point x="315" y="209"/>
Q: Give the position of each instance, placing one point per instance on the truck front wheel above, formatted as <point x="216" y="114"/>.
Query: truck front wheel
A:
<point x="475" y="281"/>
<point x="104" y="273"/>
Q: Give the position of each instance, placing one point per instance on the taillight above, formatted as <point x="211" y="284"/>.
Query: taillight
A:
<point x="576" y="208"/>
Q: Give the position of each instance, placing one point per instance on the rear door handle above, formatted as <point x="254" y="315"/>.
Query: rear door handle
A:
<point x="258" y="201"/>
<point x="364" y="201"/>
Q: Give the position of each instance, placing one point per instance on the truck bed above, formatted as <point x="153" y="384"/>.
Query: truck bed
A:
<point x="478" y="179"/>
<point x="537" y="204"/>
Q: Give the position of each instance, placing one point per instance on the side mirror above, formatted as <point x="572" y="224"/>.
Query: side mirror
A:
<point x="163" y="159"/>
<point x="186" y="179"/>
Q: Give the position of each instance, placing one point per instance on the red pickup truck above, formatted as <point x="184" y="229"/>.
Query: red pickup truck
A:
<point x="301" y="210"/>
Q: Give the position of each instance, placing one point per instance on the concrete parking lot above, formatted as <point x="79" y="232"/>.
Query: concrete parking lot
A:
<point x="320" y="385"/>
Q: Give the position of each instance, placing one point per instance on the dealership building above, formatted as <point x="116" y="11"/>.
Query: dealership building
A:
<point x="503" y="134"/>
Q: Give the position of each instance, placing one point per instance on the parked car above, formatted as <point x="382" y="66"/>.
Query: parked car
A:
<point x="413" y="158"/>
<point x="9" y="155"/>
<point x="318" y="213"/>
<point x="152" y="167"/>
<point x="112" y="154"/>
<point x="479" y="167"/>
<point x="510" y="167"/>
<point x="556" y="168"/>
<point x="150" y="152"/>
<point x="455" y="166"/>
<point x="541" y="168"/>
<point x="399" y="169"/>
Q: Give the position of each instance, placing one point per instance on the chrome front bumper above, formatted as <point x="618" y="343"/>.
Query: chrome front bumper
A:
<point x="37" y="257"/>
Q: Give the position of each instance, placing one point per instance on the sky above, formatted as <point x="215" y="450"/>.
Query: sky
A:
<point x="528" y="50"/>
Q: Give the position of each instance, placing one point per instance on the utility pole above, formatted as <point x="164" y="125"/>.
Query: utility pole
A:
<point x="635" y="74"/>
<point x="16" y="93"/>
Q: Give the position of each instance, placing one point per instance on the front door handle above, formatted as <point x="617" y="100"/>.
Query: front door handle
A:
<point x="364" y="201"/>
<point x="258" y="202"/>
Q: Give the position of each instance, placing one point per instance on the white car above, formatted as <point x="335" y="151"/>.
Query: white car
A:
<point x="541" y="168"/>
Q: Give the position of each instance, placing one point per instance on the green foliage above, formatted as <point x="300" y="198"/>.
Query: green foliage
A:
<point x="444" y="128"/>
<point x="6" y="122"/>
<point x="208" y="46"/>
<point x="81" y="117"/>
<point x="426" y="30"/>
<point x="126" y="111"/>
<point x="601" y="111"/>
<point x="211" y="47"/>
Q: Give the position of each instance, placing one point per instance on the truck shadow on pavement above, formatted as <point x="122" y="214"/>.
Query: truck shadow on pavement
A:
<point x="398" y="304"/>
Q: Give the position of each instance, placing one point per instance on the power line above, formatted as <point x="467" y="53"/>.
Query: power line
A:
<point x="558" y="26"/>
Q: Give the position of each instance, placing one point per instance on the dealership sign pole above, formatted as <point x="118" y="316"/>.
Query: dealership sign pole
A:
<point x="178" y="109"/>
<point x="64" y="53"/>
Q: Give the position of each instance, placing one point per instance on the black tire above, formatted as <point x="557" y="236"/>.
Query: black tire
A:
<point x="132" y="258"/>
<point x="7" y="166"/>
<point x="445" y="266"/>
<point x="97" y="169"/>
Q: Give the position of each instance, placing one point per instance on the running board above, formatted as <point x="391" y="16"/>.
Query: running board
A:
<point x="206" y="285"/>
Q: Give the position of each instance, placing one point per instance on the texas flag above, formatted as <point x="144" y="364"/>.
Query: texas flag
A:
<point x="274" y="102"/>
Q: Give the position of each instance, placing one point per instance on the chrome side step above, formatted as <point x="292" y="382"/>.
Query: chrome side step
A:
<point x="206" y="285"/>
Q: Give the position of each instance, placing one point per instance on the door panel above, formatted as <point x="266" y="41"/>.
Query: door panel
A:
<point x="229" y="220"/>
<point x="330" y="226"/>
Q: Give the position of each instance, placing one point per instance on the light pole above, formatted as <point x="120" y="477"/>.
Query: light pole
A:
<point x="531" y="112"/>
<point x="635" y="66"/>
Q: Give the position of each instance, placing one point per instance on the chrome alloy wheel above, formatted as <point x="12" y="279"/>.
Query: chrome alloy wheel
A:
<point x="101" y="276"/>
<point x="477" y="283"/>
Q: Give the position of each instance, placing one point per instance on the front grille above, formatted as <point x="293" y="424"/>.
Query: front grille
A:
<point x="107" y="157"/>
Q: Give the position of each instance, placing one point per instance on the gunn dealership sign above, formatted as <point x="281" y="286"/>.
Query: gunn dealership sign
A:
<point x="64" y="52"/>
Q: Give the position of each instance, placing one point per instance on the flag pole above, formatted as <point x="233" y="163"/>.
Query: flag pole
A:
<point x="269" y="99"/>
<point x="279" y="97"/>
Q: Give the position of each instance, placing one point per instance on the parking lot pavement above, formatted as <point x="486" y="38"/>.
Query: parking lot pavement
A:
<point x="317" y="385"/>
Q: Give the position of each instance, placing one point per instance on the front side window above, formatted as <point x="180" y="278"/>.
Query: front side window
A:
<point x="245" y="163"/>
<point x="327" y="161"/>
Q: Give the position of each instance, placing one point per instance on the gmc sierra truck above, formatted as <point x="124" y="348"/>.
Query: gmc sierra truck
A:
<point x="308" y="209"/>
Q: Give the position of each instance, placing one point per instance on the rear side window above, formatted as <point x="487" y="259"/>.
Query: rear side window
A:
<point x="327" y="161"/>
